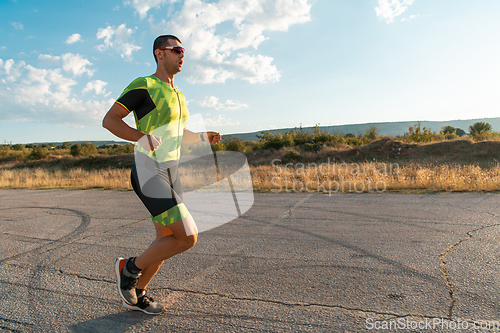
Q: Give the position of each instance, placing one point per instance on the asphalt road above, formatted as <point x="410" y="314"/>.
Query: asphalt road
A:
<point x="292" y="263"/>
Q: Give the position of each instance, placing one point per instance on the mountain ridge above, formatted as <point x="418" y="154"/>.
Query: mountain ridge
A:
<point x="383" y="128"/>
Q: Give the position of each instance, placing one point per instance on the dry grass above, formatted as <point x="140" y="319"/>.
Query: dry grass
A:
<point x="307" y="177"/>
<point x="115" y="179"/>
<point x="458" y="165"/>
<point x="373" y="178"/>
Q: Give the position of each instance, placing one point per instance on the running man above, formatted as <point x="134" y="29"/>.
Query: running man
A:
<point x="156" y="103"/>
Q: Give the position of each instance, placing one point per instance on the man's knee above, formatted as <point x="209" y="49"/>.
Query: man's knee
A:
<point x="185" y="232"/>
<point x="188" y="241"/>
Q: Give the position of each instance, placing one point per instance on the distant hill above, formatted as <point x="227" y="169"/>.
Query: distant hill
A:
<point x="388" y="128"/>
<point x="97" y="143"/>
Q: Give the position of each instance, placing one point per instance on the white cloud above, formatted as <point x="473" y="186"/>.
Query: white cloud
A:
<point x="209" y="73"/>
<point x="74" y="38"/>
<point x="18" y="26"/>
<point x="220" y="120"/>
<point x="8" y="65"/>
<point x="118" y="38"/>
<point x="209" y="102"/>
<point x="410" y="18"/>
<point x="45" y="95"/>
<point x="76" y="64"/>
<point x="143" y="6"/>
<point x="213" y="102"/>
<point x="97" y="86"/>
<point x="256" y="69"/>
<point x="11" y="70"/>
<point x="389" y="9"/>
<point x="230" y="105"/>
<point x="106" y="33"/>
<point x="48" y="60"/>
<point x="217" y="54"/>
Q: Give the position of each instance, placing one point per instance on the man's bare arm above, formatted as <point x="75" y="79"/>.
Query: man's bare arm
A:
<point x="191" y="138"/>
<point x="113" y="122"/>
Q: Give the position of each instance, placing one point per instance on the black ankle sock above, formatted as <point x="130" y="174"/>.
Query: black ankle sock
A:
<point x="131" y="267"/>
<point x="139" y="292"/>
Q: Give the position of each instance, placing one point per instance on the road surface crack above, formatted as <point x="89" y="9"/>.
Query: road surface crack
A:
<point x="360" y="311"/>
<point x="444" y="269"/>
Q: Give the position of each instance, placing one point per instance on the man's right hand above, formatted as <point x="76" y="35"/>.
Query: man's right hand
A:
<point x="150" y="142"/>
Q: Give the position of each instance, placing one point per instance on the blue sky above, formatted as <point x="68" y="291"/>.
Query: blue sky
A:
<point x="250" y="65"/>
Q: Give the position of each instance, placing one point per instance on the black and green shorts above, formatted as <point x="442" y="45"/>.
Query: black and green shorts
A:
<point x="159" y="187"/>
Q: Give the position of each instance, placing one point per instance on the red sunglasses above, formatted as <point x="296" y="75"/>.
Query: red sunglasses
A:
<point x="175" y="49"/>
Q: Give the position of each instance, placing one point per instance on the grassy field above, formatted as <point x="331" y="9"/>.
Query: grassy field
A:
<point x="379" y="166"/>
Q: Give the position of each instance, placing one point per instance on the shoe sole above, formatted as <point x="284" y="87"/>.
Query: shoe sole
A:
<point x="120" y="263"/>
<point x="136" y="308"/>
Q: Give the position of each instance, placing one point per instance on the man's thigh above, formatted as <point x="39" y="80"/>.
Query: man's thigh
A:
<point x="180" y="229"/>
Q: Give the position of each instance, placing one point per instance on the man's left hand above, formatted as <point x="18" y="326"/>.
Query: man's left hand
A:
<point x="214" y="137"/>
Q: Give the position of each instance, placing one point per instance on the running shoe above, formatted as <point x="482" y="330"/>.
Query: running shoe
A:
<point x="126" y="281"/>
<point x="145" y="304"/>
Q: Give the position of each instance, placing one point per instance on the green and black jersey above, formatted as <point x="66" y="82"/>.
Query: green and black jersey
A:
<point x="159" y="110"/>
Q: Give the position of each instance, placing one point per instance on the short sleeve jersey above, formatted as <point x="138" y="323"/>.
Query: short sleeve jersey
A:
<point x="159" y="110"/>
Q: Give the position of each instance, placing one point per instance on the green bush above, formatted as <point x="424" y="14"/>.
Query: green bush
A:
<point x="449" y="132"/>
<point x="86" y="149"/>
<point x="256" y="146"/>
<point x="7" y="152"/>
<point x="313" y="147"/>
<point x="76" y="150"/>
<point x="353" y="140"/>
<point x="66" y="145"/>
<point x="319" y="136"/>
<point x="18" y="147"/>
<point x="418" y="134"/>
<point x="233" y="144"/>
<point x="450" y="136"/>
<point x="291" y="155"/>
<point x="271" y="141"/>
<point x="479" y="129"/>
<point x="123" y="149"/>
<point x="300" y="136"/>
<point x="288" y="139"/>
<point x="371" y="134"/>
<point x="460" y="132"/>
<point x="89" y="149"/>
<point x="218" y="147"/>
<point x="38" y="152"/>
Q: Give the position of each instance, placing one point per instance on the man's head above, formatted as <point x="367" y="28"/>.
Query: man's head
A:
<point x="164" y="41"/>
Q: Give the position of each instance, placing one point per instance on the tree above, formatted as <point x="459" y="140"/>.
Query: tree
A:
<point x="448" y="130"/>
<point x="17" y="147"/>
<point x="371" y="133"/>
<point x="89" y="149"/>
<point x="233" y="144"/>
<point x="271" y="141"/>
<point x="460" y="132"/>
<point x="38" y="152"/>
<point x="479" y="128"/>
<point x="76" y="150"/>
<point x="418" y="134"/>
